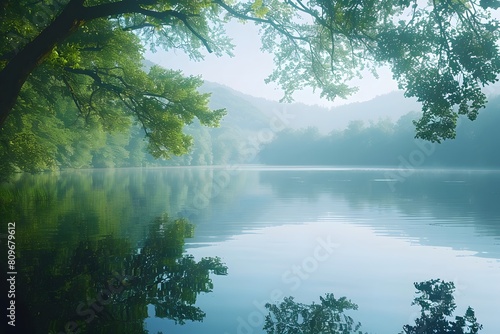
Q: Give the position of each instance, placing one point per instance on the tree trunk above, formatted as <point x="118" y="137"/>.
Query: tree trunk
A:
<point x="17" y="71"/>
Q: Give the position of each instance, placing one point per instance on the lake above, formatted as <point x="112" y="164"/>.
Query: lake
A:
<point x="130" y="250"/>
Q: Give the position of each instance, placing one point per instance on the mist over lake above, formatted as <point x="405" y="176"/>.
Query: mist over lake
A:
<point x="268" y="221"/>
<point x="250" y="167"/>
<point x="269" y="232"/>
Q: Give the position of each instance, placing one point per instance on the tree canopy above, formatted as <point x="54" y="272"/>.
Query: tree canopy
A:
<point x="90" y="52"/>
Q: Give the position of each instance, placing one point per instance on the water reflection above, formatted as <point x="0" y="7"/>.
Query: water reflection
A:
<point x="443" y="194"/>
<point x="420" y="207"/>
<point x="435" y="298"/>
<point x="106" y="202"/>
<point x="90" y="245"/>
<point x="437" y="304"/>
<point x="327" y="317"/>
<point x="105" y="285"/>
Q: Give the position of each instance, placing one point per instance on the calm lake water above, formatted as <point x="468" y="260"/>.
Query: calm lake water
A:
<point x="124" y="251"/>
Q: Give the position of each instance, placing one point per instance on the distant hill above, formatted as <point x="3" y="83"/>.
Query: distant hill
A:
<point x="242" y="112"/>
<point x="392" y="106"/>
<point x="239" y="138"/>
<point x="249" y="111"/>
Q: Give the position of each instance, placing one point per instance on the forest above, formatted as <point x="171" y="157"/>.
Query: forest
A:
<point x="385" y="143"/>
<point x="62" y="139"/>
<point x="74" y="90"/>
<point x="106" y="250"/>
<point x="66" y="142"/>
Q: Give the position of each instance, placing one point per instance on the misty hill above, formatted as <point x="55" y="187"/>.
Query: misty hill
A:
<point x="242" y="113"/>
<point x="390" y="144"/>
<point x="375" y="132"/>
<point x="249" y="111"/>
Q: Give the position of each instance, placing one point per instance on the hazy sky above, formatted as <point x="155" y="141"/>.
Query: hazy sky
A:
<point x="249" y="67"/>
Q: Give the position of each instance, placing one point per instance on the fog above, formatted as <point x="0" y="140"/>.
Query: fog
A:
<point x="248" y="68"/>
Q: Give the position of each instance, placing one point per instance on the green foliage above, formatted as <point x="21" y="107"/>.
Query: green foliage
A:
<point x="443" y="55"/>
<point x="177" y="102"/>
<point x="435" y="298"/>
<point x="91" y="82"/>
<point x="41" y="140"/>
<point x="66" y="139"/>
<point x="441" y="52"/>
<point x="290" y="317"/>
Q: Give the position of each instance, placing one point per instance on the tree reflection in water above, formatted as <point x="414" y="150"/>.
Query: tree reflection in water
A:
<point x="327" y="317"/>
<point x="106" y="285"/>
<point x="435" y="298"/>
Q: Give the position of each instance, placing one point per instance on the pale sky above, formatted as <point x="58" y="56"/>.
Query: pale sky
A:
<point x="246" y="71"/>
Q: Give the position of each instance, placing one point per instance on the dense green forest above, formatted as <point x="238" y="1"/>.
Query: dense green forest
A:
<point x="246" y="134"/>
<point x="74" y="92"/>
<point x="64" y="139"/>
<point x="384" y="143"/>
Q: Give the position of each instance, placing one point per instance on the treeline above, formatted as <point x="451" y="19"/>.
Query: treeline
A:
<point x="40" y="141"/>
<point x="37" y="141"/>
<point x="211" y="146"/>
<point x="390" y="144"/>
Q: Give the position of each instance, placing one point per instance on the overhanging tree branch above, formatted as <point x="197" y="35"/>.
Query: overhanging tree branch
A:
<point x="273" y="24"/>
<point x="16" y="72"/>
<point x="73" y="16"/>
